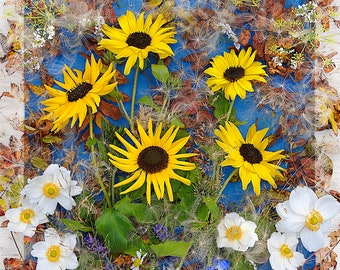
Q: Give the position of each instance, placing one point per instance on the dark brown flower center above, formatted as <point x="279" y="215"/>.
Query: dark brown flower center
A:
<point x="233" y="74"/>
<point x="79" y="91"/>
<point x="139" y="39"/>
<point x="250" y="153"/>
<point x="153" y="159"/>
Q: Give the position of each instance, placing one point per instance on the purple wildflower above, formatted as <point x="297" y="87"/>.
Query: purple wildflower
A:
<point x="94" y="245"/>
<point x="161" y="231"/>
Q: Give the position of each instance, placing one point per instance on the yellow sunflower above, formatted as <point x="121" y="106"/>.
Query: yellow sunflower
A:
<point x="83" y="89"/>
<point x="137" y="38"/>
<point x="153" y="159"/>
<point x="249" y="155"/>
<point x="233" y="74"/>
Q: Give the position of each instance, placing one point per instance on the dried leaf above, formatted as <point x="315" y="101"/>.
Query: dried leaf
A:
<point x="109" y="14"/>
<point x="2" y="207"/>
<point x="38" y="90"/>
<point x="110" y="110"/>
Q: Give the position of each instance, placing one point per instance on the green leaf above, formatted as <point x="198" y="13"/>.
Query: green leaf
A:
<point x="114" y="227"/>
<point x="75" y="225"/>
<point x="51" y="139"/>
<point x="220" y="103"/>
<point x="171" y="248"/>
<point x="90" y="142"/>
<point x="137" y="210"/>
<point x="203" y="212"/>
<point x="115" y="95"/>
<point x="160" y="72"/>
<point x="39" y="163"/>
<point x="212" y="206"/>
<point x="177" y="122"/>
<point x="147" y="100"/>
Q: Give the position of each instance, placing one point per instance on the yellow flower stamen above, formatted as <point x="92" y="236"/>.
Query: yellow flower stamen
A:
<point x="314" y="221"/>
<point x="234" y="233"/>
<point x="26" y="215"/>
<point x="136" y="262"/>
<point x="53" y="253"/>
<point x="286" y="251"/>
<point x="51" y="190"/>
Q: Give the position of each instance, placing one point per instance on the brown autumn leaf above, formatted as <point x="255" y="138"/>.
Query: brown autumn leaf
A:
<point x="17" y="264"/>
<point x="120" y="78"/>
<point x="110" y="110"/>
<point x="109" y="14"/>
<point x="45" y="78"/>
<point x="258" y="44"/>
<point x="38" y="90"/>
<point x="99" y="117"/>
<point x="5" y="157"/>
<point x="15" y="147"/>
<point x="6" y="94"/>
<point x="13" y="264"/>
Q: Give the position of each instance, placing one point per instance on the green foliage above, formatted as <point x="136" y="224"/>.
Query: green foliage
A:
<point x="171" y="248"/>
<point x="137" y="210"/>
<point x="160" y="72"/>
<point x="75" y="225"/>
<point x="39" y="163"/>
<point x="147" y="100"/>
<point x="114" y="227"/>
<point x="221" y="105"/>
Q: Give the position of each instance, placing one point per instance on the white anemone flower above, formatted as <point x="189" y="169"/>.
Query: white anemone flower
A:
<point x="283" y="254"/>
<point x="56" y="252"/>
<point x="236" y="233"/>
<point x="54" y="186"/>
<point x="137" y="260"/>
<point x="26" y="218"/>
<point x="308" y="216"/>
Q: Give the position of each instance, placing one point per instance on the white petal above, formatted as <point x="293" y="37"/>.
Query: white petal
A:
<point x="276" y="261"/>
<point x="302" y="200"/>
<point x="13" y="214"/>
<point x="297" y="260"/>
<point x="312" y="241"/>
<point x="51" y="169"/>
<point x="52" y="237"/>
<point x="17" y="226"/>
<point x="66" y="201"/>
<point x="327" y="206"/>
<point x="291" y="240"/>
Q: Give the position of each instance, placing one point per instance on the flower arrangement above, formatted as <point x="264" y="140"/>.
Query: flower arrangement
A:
<point x="146" y="122"/>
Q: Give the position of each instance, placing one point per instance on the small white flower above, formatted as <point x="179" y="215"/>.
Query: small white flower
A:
<point x="50" y="32"/>
<point x="56" y="252"/>
<point x="283" y="254"/>
<point x="54" y="186"/>
<point x="25" y="218"/>
<point x="38" y="41"/>
<point x="307" y="216"/>
<point x="236" y="233"/>
<point x="138" y="260"/>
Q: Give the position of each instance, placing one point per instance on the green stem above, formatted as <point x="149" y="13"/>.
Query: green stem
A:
<point x="120" y="101"/>
<point x="231" y="105"/>
<point x="123" y="110"/>
<point x="94" y="162"/>
<point x="133" y="98"/>
<point x="225" y="183"/>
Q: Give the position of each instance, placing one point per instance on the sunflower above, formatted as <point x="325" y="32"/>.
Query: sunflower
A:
<point x="154" y="159"/>
<point x="233" y="74"/>
<point x="137" y="38"/>
<point x="249" y="155"/>
<point x="83" y="89"/>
